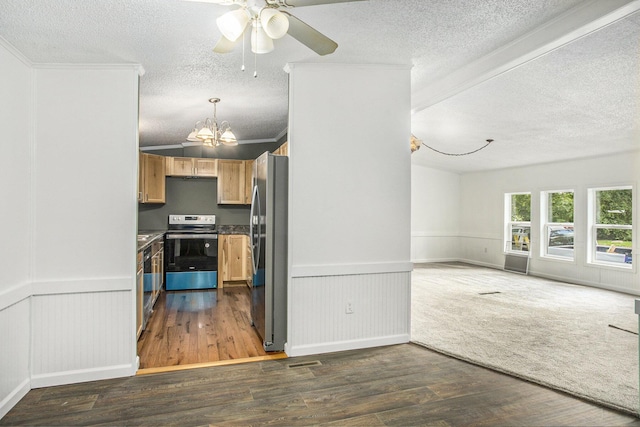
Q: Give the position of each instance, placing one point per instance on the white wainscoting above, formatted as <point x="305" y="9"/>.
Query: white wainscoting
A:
<point x="14" y="357"/>
<point x="426" y="247"/>
<point x="318" y="322"/>
<point x="488" y="252"/>
<point x="81" y="336"/>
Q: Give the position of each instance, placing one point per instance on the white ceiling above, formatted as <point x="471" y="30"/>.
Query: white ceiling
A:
<point x="508" y="70"/>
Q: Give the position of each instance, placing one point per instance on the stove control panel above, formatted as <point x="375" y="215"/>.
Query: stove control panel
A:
<point x="208" y="220"/>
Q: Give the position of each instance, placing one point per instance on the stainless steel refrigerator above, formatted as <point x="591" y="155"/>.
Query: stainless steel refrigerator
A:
<point x="269" y="250"/>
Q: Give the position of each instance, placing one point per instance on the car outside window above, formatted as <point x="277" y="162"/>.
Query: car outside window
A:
<point x="558" y="232"/>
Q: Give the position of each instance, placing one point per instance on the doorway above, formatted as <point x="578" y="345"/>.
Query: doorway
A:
<point x="200" y="326"/>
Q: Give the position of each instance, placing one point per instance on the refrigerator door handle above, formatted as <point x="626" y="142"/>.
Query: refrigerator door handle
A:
<point x="254" y="236"/>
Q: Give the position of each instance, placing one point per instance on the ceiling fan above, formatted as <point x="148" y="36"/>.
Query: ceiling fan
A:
<point x="268" y="22"/>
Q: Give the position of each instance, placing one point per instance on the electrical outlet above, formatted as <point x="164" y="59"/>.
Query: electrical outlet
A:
<point x="349" y="308"/>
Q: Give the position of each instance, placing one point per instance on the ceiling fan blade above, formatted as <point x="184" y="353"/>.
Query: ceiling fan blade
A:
<point x="224" y="45"/>
<point x="310" y="37"/>
<point x="300" y="3"/>
<point x="223" y="2"/>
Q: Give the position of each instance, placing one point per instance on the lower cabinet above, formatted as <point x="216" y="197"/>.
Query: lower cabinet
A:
<point x="157" y="268"/>
<point x="234" y="260"/>
<point x="139" y="294"/>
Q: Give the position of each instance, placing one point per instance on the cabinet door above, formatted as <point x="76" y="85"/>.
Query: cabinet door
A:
<point x="231" y="177"/>
<point x="248" y="181"/>
<point x="153" y="178"/>
<point x="222" y="260"/>
<point x="237" y="257"/>
<point x="206" y="167"/>
<point x="182" y="166"/>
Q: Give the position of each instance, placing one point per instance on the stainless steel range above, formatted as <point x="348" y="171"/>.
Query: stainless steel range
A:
<point x="191" y="252"/>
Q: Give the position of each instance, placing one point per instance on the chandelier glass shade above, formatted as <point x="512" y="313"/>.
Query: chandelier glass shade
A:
<point x="211" y="133"/>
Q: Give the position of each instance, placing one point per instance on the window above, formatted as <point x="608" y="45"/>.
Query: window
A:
<point x="557" y="214"/>
<point x="610" y="226"/>
<point x="518" y="222"/>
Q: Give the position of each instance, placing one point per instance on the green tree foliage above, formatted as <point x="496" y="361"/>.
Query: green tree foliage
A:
<point x="614" y="207"/>
<point x="520" y="207"/>
<point x="561" y="206"/>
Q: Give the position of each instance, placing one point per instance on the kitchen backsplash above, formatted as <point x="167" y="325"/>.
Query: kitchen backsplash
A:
<point x="191" y="196"/>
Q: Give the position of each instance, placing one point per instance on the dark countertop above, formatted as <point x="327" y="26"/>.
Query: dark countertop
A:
<point x="147" y="237"/>
<point x="233" y="229"/>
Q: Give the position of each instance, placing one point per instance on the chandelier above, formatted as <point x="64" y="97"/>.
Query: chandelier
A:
<point x="210" y="133"/>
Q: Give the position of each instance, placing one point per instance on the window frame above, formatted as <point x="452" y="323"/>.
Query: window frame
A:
<point x="546" y="226"/>
<point x="593" y="227"/>
<point x="509" y="224"/>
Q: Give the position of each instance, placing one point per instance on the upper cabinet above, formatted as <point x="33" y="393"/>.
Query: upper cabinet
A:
<point x="231" y="182"/>
<point x="187" y="166"/>
<point x="283" y="150"/>
<point x="248" y="181"/>
<point x="151" y="185"/>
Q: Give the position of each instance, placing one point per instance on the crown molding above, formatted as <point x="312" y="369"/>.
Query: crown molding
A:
<point x="15" y="52"/>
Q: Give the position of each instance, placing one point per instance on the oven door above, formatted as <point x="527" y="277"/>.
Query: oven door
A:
<point x="191" y="261"/>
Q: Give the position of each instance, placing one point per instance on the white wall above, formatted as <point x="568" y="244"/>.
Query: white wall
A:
<point x="68" y="184"/>
<point x="85" y="223"/>
<point x="482" y="213"/>
<point x="435" y="215"/>
<point x="15" y="212"/>
<point x="349" y="212"/>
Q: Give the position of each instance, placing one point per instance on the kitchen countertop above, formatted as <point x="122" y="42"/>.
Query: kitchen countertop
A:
<point x="233" y="229"/>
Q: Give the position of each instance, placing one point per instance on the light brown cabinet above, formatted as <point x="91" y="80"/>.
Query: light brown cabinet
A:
<point x="233" y="259"/>
<point x="248" y="181"/>
<point x="157" y="268"/>
<point x="151" y="178"/>
<point x="231" y="182"/>
<point x="192" y="167"/>
<point x="283" y="150"/>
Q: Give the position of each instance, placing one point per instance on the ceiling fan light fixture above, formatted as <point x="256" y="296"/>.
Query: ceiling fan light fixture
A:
<point x="260" y="41"/>
<point x="232" y="24"/>
<point x="274" y="22"/>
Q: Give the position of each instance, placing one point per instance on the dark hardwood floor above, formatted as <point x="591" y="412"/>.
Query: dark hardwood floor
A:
<point x="199" y="326"/>
<point x="402" y="385"/>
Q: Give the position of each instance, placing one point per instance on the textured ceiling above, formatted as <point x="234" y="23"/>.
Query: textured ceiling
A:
<point x="578" y="100"/>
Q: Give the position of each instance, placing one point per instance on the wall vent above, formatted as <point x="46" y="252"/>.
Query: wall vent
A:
<point x="516" y="263"/>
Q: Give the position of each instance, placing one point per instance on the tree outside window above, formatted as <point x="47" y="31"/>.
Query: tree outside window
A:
<point x="558" y="227"/>
<point x="518" y="226"/>
<point x="611" y="236"/>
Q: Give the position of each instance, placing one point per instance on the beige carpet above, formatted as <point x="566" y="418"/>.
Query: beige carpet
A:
<point x="572" y="338"/>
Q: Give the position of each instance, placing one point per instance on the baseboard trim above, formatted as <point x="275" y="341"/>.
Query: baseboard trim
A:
<point x="14" y="397"/>
<point x="82" y="375"/>
<point x="332" y="347"/>
<point x="585" y="283"/>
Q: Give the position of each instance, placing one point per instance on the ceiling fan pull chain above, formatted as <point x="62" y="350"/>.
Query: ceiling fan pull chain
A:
<point x="255" y="65"/>
<point x="255" y="58"/>
<point x="243" y="43"/>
